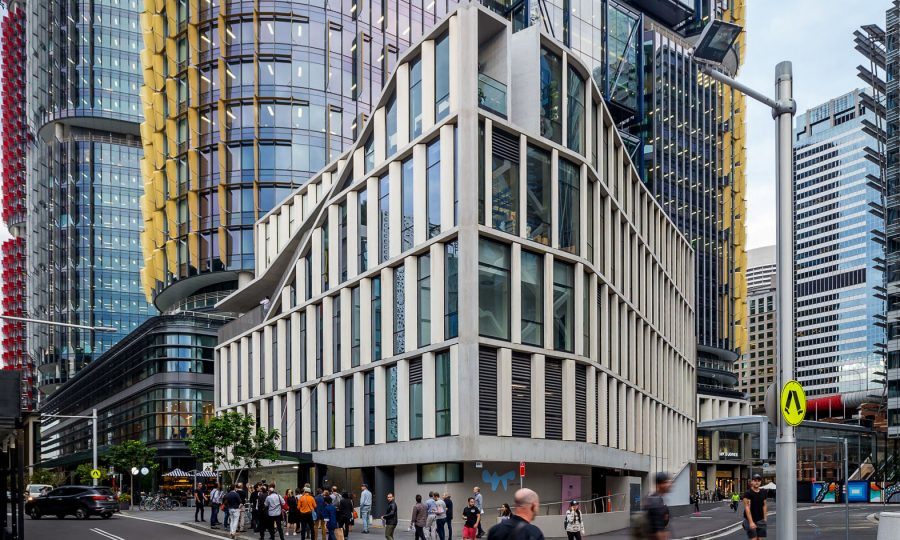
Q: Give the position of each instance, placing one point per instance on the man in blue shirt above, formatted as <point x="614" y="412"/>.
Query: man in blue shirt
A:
<point x="365" y="507"/>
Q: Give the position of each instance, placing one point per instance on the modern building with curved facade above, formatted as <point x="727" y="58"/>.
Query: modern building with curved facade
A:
<point x="481" y="280"/>
<point x="84" y="181"/>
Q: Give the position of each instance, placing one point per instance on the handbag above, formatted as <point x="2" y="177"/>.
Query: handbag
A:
<point x="355" y="515"/>
<point x="314" y="516"/>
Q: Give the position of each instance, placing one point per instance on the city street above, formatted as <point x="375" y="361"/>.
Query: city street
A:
<point x="115" y="528"/>
<point x="825" y="522"/>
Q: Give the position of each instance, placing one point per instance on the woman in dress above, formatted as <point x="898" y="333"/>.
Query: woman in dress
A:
<point x="293" y="513"/>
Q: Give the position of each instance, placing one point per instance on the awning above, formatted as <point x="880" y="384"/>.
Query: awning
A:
<point x="205" y="474"/>
<point x="177" y="472"/>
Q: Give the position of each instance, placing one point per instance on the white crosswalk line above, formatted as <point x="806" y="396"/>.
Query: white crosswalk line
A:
<point x="109" y="535"/>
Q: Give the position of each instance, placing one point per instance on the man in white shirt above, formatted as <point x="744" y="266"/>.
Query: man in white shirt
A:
<point x="365" y="507"/>
<point x="215" y="500"/>
<point x="273" y="512"/>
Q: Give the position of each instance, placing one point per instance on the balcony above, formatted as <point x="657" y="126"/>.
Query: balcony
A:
<point x="491" y="95"/>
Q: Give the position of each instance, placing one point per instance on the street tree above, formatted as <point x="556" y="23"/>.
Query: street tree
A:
<point x="130" y="455"/>
<point x="233" y="442"/>
<point x="51" y="477"/>
<point x="83" y="474"/>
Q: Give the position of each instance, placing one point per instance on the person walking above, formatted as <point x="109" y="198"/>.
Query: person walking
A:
<point x="365" y="507"/>
<point x="735" y="500"/>
<point x="390" y="518"/>
<point x="519" y="526"/>
<point x="319" y="529"/>
<point x="329" y="518"/>
<point x="430" y="517"/>
<point x="574" y="523"/>
<point x="418" y="519"/>
<point x="199" y="502"/>
<point x="306" y="509"/>
<point x="253" y="501"/>
<point x="293" y="513"/>
<point x="755" y="509"/>
<point x="657" y="526"/>
<point x="448" y="521"/>
<point x="232" y="502"/>
<point x="479" y="503"/>
<point x="472" y="516"/>
<point x="440" y="515"/>
<point x="696" y="502"/>
<point x="273" y="511"/>
<point x="215" y="500"/>
<point x="505" y="511"/>
<point x="345" y="514"/>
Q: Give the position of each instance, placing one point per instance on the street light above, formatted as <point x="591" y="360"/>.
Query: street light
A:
<point x="714" y="50"/>
<point x="846" y="483"/>
<point x="93" y="419"/>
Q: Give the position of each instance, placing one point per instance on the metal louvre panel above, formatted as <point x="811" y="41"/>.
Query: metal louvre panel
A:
<point x="415" y="371"/>
<point x="553" y="403"/>
<point x="505" y="146"/>
<point x="487" y="391"/>
<point x="581" y="402"/>
<point x="521" y="395"/>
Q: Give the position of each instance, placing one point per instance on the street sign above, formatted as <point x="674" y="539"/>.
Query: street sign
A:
<point x="145" y="471"/>
<point x="522" y="469"/>
<point x="793" y="403"/>
<point x="771" y="404"/>
<point x="95" y="474"/>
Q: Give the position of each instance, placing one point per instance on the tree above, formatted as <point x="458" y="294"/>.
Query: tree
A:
<point x="233" y="442"/>
<point x="130" y="454"/>
<point x="83" y="474"/>
<point x="47" y="476"/>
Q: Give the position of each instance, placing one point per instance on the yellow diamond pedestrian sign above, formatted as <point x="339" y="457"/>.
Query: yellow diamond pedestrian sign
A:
<point x="793" y="403"/>
<point x="95" y="474"/>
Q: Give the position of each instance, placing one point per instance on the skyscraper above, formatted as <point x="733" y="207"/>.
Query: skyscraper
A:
<point x="756" y="369"/>
<point x="84" y="181"/>
<point x="839" y="239"/>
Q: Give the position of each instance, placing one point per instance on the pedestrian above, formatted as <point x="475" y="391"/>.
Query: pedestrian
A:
<point x="329" y="518"/>
<point x="505" y="511"/>
<point x="755" y="509"/>
<point x="293" y="512"/>
<point x="440" y="514"/>
<point x="657" y="519"/>
<point x="419" y="516"/>
<point x="259" y="508"/>
<point x="232" y="502"/>
<point x="272" y="514"/>
<point x="472" y="516"/>
<point x="389" y="519"/>
<point x="696" y="500"/>
<point x="215" y="501"/>
<point x="306" y="509"/>
<point x="335" y="497"/>
<point x="253" y="500"/>
<point x="365" y="507"/>
<point x="479" y="503"/>
<point x="519" y="526"/>
<point x="320" y="528"/>
<point x="574" y="524"/>
<point x="449" y="519"/>
<point x="430" y="517"/>
<point x="199" y="502"/>
<point x="345" y="514"/>
<point x="735" y="501"/>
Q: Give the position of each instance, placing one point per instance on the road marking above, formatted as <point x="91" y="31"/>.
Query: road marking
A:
<point x="109" y="535"/>
<point x="179" y="525"/>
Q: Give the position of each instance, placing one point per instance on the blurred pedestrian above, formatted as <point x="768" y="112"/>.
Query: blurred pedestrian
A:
<point x="479" y="503"/>
<point x="232" y="502"/>
<point x="448" y="520"/>
<point x="345" y="514"/>
<point x="519" y="526"/>
<point x="505" y="512"/>
<point x="656" y="509"/>
<point x="293" y="513"/>
<point x="389" y="519"/>
<point x="418" y="519"/>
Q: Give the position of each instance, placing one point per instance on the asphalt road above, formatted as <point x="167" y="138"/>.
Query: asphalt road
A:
<point x="115" y="528"/>
<point x="825" y="523"/>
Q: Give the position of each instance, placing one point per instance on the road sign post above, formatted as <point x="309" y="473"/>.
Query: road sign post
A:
<point x="521" y="474"/>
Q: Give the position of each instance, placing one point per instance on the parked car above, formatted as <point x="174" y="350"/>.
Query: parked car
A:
<point x="79" y="501"/>
<point x="33" y="490"/>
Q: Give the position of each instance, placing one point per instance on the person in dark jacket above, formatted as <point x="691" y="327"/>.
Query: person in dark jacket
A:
<point x="419" y="516"/>
<point x="259" y="507"/>
<point x="449" y="519"/>
<point x="329" y="516"/>
<point x="345" y="513"/>
<point x="390" y="518"/>
<point x="519" y="527"/>
<point x="657" y="510"/>
<point x="319" y="526"/>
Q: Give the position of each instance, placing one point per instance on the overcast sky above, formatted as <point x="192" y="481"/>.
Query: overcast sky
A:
<point x="817" y="36"/>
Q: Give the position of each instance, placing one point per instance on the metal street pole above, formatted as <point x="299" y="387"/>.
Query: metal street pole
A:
<point x="846" y="490"/>
<point x="94" y="436"/>
<point x="785" y="439"/>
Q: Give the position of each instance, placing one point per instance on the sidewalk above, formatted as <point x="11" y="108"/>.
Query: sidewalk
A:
<point x="711" y="518"/>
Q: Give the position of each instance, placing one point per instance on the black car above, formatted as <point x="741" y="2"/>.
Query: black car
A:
<point x="79" y="501"/>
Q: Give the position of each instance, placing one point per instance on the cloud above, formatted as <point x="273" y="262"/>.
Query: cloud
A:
<point x="817" y="36"/>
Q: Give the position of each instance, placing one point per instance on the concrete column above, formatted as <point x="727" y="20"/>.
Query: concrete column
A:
<point x="373" y="244"/>
<point x="523" y="186"/>
<point x="387" y="312"/>
<point x="380" y="135"/>
<point x="591" y="408"/>
<point x="448" y="176"/>
<point x="427" y="84"/>
<point x="334" y="245"/>
<point x="284" y="356"/>
<point x="380" y="404"/>
<point x="568" y="398"/>
<point x="580" y="315"/>
<point x="554" y="194"/>
<point x="297" y="354"/>
<point x="322" y="399"/>
<point x="593" y="318"/>
<point x="316" y="262"/>
<point x="353" y="233"/>
<point x="455" y="391"/>
<point x="603" y="404"/>
<point x="613" y="421"/>
<point x="310" y="360"/>
<point x="516" y="293"/>
<point x="290" y="409"/>
<point x="359" y="409"/>
<point x="305" y="419"/>
<point x="420" y="195"/>
<point x="411" y="289"/>
<point x="548" y="301"/>
<point x="538" y="396"/>
<point x="403" y="400"/>
<point x="428" y="395"/>
<point x="339" y="414"/>
<point x="504" y="392"/>
<point x="346" y="300"/>
<point x="396" y="208"/>
<point x="327" y="339"/>
<point x="365" y="321"/>
<point x="438" y="282"/>
<point x="401" y="89"/>
<point x="583" y="209"/>
<point x="255" y="380"/>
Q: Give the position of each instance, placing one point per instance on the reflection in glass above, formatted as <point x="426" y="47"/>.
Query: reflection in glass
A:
<point x="532" y="298"/>
<point x="563" y="306"/>
<point x="538" y="196"/>
<point x="493" y="289"/>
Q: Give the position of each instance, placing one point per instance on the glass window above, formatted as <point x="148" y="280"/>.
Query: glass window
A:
<point x="369" y="400"/>
<point x="342" y="240"/>
<point x="399" y="310"/>
<point x="442" y="394"/>
<point x="407" y="178"/>
<point x="538" y="203"/>
<point x="274" y="334"/>
<point x="415" y="99"/>
<point x="329" y="415"/>
<point x="314" y="417"/>
<point x="324" y="252"/>
<point x="451" y="290"/>
<point x="563" y="306"/>
<point x="424" y="300"/>
<point x="569" y="206"/>
<point x="442" y="78"/>
<point x="376" y="318"/>
<point x="301" y="334"/>
<point x="363" y="231"/>
<point x="532" y="298"/>
<point x="390" y="126"/>
<point x="433" y="183"/>
<point x="551" y="96"/>
<point x="390" y="393"/>
<point x="590" y="220"/>
<point x="384" y="218"/>
<point x="369" y="153"/>
<point x="505" y="182"/>
<point x="586" y="315"/>
<point x="348" y="412"/>
<point x="320" y="325"/>
<point x="575" y="112"/>
<point x="440" y="473"/>
<point x="354" y="327"/>
<point x="415" y="399"/>
<point x="493" y="289"/>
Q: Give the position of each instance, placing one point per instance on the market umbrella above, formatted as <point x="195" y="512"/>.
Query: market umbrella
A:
<point x="770" y="485"/>
<point x="176" y="472"/>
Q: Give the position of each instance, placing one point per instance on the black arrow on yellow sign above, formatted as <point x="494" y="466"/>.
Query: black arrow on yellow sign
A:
<point x="793" y="399"/>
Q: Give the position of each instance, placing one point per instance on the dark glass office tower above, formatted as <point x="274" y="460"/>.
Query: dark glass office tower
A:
<point x="84" y="182"/>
